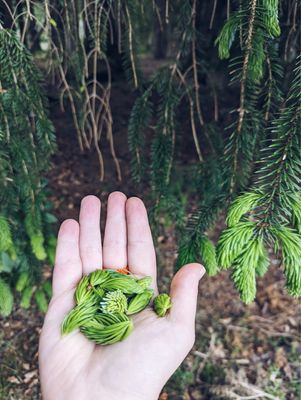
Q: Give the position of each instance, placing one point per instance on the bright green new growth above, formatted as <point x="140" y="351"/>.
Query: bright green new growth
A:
<point x="242" y="205"/>
<point x="5" y="235"/>
<point x="162" y="303"/>
<point x="37" y="246"/>
<point x="227" y="35"/>
<point x="290" y="242"/>
<point x="107" y="328"/>
<point x="41" y="300"/>
<point x="233" y="241"/>
<point x="144" y="282"/>
<point x="114" y="303"/>
<point x="82" y="292"/>
<point x="125" y="283"/>
<point x="263" y="261"/>
<point x="6" y="299"/>
<point x="104" y="299"/>
<point x="22" y="281"/>
<point x="139" y="301"/>
<point x="244" y="269"/>
<point x="98" y="277"/>
<point x="207" y="250"/>
<point x="79" y="315"/>
<point x="26" y="297"/>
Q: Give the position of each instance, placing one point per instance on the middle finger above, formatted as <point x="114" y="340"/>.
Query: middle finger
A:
<point x="115" y="242"/>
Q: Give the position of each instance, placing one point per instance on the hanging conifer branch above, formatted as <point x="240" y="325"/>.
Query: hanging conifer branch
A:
<point x="139" y="120"/>
<point x="245" y="67"/>
<point x="272" y="92"/>
<point x="261" y="25"/>
<point x="72" y="63"/>
<point x="270" y="213"/>
<point x="25" y="150"/>
<point x="130" y="41"/>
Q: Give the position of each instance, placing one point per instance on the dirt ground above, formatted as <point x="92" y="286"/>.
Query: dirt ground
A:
<point x="241" y="352"/>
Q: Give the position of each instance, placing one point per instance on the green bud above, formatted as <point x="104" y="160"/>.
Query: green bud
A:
<point x="126" y="283"/>
<point x="78" y="316"/>
<point x="102" y="304"/>
<point x="140" y="301"/>
<point x="22" y="281"/>
<point x="94" y="323"/>
<point x="85" y="291"/>
<point x="82" y="292"/>
<point x="98" y="291"/>
<point x="5" y="234"/>
<point x="99" y="277"/>
<point x="107" y="328"/>
<point x="162" y="303"/>
<point x="144" y="282"/>
<point x="26" y="297"/>
<point x="6" y="299"/>
<point x="37" y="246"/>
<point x="114" y="303"/>
<point x="41" y="300"/>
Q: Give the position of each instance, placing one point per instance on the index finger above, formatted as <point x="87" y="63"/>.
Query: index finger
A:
<point x="68" y="267"/>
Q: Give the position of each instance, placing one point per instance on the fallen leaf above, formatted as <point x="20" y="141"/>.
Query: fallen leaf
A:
<point x="13" y="379"/>
<point x="29" y="375"/>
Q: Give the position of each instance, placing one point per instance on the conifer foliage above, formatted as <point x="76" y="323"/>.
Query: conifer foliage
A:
<point x="268" y="215"/>
<point x="218" y="122"/>
<point x="255" y="172"/>
<point x="26" y="142"/>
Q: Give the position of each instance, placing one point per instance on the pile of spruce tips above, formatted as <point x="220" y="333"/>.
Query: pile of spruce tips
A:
<point x="104" y="301"/>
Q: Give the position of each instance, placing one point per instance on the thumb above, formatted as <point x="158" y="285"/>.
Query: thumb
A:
<point x="184" y="293"/>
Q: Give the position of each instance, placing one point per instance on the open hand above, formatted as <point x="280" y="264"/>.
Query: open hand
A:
<point x="73" y="368"/>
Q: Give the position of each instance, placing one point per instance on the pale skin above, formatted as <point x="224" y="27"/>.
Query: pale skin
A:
<point x="73" y="368"/>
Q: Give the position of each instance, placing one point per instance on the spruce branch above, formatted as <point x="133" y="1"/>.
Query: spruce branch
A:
<point x="140" y="119"/>
<point x="25" y="149"/>
<point x="242" y="100"/>
<point x="263" y="216"/>
<point x="244" y="269"/>
<point x="258" y="25"/>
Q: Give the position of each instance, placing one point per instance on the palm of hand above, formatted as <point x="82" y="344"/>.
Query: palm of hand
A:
<point x="71" y="367"/>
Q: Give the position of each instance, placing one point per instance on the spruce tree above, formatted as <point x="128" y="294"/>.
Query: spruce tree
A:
<point x="237" y="154"/>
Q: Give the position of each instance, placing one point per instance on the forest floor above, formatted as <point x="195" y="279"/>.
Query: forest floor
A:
<point x="241" y="352"/>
